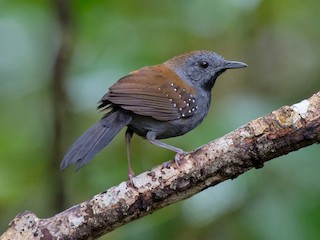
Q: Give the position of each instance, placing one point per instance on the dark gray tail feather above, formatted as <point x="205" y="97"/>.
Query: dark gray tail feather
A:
<point x="95" y="139"/>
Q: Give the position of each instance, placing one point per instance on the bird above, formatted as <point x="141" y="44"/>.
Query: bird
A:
<point x="155" y="102"/>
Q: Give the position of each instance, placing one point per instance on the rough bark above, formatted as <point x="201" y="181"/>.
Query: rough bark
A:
<point x="280" y="132"/>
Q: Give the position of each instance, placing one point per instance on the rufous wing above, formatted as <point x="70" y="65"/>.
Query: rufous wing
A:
<point x="154" y="91"/>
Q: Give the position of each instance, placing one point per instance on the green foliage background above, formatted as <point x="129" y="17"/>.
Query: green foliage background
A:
<point x="279" y="40"/>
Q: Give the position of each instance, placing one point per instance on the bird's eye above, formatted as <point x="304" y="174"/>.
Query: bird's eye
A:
<point x="204" y="64"/>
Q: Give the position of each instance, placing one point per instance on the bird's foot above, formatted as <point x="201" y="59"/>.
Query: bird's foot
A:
<point x="179" y="157"/>
<point x="166" y="164"/>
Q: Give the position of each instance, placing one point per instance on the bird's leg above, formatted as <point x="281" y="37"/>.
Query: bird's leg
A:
<point x="129" y="134"/>
<point x="151" y="137"/>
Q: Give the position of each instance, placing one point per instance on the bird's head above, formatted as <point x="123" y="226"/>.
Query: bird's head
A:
<point x="201" y="68"/>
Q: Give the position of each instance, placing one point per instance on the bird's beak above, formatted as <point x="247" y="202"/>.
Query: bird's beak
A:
<point x="233" y="64"/>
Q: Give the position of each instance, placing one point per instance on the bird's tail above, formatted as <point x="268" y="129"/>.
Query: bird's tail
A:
<point x="95" y="139"/>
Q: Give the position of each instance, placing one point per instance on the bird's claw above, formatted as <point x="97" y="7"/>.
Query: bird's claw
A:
<point x="177" y="158"/>
<point x="166" y="164"/>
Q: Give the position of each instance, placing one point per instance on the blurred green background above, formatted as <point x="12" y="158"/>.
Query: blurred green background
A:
<point x="57" y="60"/>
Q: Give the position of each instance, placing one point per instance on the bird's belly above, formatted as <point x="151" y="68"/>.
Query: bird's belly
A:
<point x="163" y="129"/>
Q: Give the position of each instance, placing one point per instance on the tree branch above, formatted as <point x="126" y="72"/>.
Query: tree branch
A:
<point x="280" y="132"/>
